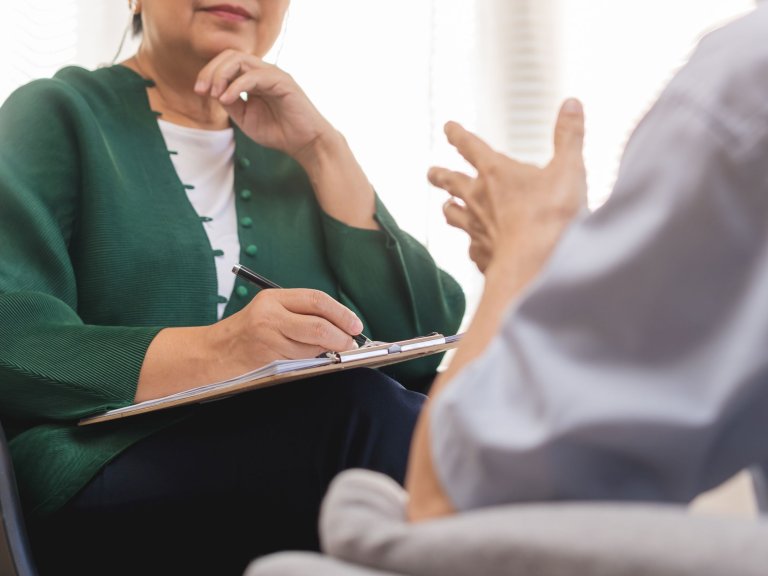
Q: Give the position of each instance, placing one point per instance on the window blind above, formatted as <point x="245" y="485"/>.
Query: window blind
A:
<point x="519" y="72"/>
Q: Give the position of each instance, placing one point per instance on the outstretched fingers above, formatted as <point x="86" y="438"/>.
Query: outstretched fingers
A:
<point x="569" y="132"/>
<point x="455" y="183"/>
<point x="457" y="216"/>
<point x="473" y="149"/>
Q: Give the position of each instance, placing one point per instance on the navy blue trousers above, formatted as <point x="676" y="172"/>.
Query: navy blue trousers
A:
<point x="241" y="478"/>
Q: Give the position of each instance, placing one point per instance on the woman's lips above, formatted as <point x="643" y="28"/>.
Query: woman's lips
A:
<point x="229" y="12"/>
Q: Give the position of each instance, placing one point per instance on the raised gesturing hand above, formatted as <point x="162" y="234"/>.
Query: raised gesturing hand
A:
<point x="511" y="208"/>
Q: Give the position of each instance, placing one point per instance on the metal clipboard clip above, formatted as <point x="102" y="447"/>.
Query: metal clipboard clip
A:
<point x="375" y="349"/>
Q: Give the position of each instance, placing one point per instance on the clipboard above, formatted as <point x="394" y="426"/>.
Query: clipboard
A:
<point x="374" y="355"/>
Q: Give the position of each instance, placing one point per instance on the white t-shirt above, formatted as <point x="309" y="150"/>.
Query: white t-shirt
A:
<point x="204" y="162"/>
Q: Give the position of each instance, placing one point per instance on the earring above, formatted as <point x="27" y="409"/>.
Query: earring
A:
<point x="134" y="6"/>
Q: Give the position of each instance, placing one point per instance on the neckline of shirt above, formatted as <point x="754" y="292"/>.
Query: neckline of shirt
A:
<point x="195" y="132"/>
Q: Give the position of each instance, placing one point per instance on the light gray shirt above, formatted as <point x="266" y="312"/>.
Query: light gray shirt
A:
<point x="636" y="366"/>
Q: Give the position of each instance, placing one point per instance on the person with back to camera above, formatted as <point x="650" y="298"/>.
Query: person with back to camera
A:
<point x="616" y="355"/>
<point x="127" y="195"/>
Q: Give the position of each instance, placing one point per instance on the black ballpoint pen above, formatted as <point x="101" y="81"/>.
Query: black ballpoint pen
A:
<point x="248" y="274"/>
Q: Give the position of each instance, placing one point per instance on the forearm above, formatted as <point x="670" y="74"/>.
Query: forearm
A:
<point x="179" y="359"/>
<point x="174" y="361"/>
<point x="504" y="280"/>
<point x="290" y="323"/>
<point x="341" y="187"/>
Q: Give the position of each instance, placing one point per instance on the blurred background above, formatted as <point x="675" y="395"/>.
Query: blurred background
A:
<point x="390" y="74"/>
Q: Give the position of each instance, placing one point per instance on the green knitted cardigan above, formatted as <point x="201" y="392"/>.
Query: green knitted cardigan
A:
<point x="100" y="249"/>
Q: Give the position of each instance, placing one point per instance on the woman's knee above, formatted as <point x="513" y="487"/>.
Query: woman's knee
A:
<point x="373" y="392"/>
<point x="374" y="418"/>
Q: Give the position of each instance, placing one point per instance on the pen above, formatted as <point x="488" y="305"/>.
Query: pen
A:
<point x="251" y="276"/>
<point x="248" y="274"/>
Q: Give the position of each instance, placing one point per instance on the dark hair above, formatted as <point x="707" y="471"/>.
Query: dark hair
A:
<point x="137" y="24"/>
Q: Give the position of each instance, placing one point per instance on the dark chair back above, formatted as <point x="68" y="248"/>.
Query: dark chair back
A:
<point x="15" y="553"/>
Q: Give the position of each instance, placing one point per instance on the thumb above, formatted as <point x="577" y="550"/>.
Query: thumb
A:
<point x="569" y="131"/>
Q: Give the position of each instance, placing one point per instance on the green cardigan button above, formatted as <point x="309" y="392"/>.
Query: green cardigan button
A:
<point x="241" y="291"/>
<point x="251" y="250"/>
<point x="244" y="162"/>
<point x="246" y="221"/>
<point x="246" y="194"/>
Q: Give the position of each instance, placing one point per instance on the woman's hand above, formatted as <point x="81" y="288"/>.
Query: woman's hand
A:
<point x="277" y="324"/>
<point x="511" y="208"/>
<point x="277" y="113"/>
<point x="284" y="324"/>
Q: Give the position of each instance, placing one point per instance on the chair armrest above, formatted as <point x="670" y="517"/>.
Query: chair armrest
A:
<point x="363" y="523"/>
<point x="306" y="564"/>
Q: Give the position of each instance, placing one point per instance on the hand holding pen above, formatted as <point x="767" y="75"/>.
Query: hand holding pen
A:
<point x="264" y="283"/>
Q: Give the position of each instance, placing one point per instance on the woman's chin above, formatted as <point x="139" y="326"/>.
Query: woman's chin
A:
<point x="216" y="43"/>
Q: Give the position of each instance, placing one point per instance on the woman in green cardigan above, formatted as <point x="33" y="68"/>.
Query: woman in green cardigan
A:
<point x="126" y="195"/>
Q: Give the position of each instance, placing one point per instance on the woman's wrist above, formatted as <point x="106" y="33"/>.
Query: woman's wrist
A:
<point x="223" y="349"/>
<point x="182" y="358"/>
<point x="327" y="149"/>
<point x="176" y="360"/>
